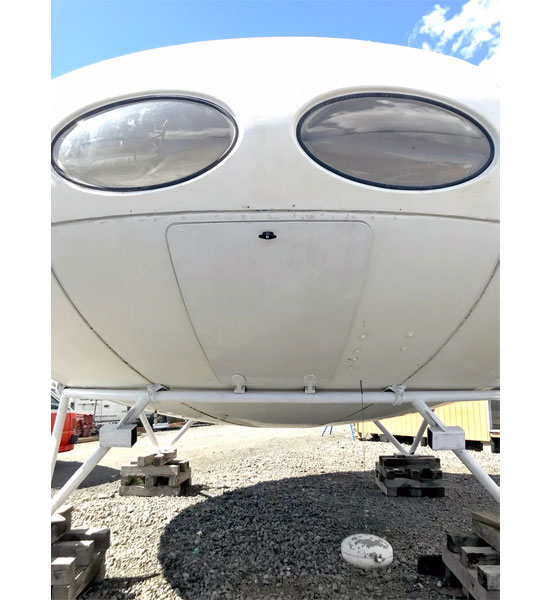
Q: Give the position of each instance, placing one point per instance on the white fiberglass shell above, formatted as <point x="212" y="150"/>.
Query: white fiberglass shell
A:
<point x="362" y="286"/>
<point x="275" y="311"/>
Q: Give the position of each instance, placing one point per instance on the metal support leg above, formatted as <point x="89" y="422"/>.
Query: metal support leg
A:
<point x="151" y="391"/>
<point x="462" y="455"/>
<point x="479" y="473"/>
<point x="180" y="433"/>
<point x="58" y="428"/>
<point x="390" y="437"/>
<point x="77" y="478"/>
<point x="93" y="460"/>
<point x="418" y="437"/>
<point x="150" y="432"/>
<point x="428" y="414"/>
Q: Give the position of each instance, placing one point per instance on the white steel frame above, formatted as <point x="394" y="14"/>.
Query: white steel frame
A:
<point x="156" y="394"/>
<point x="143" y="399"/>
<point x="200" y="396"/>
<point x="463" y="455"/>
<point x="430" y="418"/>
<point x="416" y="442"/>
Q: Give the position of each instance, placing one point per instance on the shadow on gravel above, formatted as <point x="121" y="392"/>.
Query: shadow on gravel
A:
<point x="120" y="587"/>
<point x="281" y="539"/>
<point x="65" y="469"/>
<point x="197" y="489"/>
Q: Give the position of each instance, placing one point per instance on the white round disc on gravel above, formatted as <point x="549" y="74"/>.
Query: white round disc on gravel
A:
<point x="367" y="551"/>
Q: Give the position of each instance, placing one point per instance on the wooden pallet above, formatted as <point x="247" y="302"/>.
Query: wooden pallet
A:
<point x="474" y="558"/>
<point x="155" y="475"/>
<point x="413" y="476"/>
<point x="487" y="527"/>
<point x="77" y="555"/>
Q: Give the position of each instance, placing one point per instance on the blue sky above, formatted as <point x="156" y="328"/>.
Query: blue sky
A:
<point x="88" y="31"/>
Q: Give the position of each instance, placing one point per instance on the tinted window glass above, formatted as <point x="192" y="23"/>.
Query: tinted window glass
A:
<point x="143" y="144"/>
<point x="395" y="141"/>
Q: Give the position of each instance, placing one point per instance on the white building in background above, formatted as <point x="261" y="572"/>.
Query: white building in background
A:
<point x="104" y="411"/>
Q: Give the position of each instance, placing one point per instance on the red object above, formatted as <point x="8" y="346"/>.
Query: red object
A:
<point x="69" y="435"/>
<point x="84" y="425"/>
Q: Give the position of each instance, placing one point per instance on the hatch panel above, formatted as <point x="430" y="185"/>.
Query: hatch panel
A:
<point x="271" y="300"/>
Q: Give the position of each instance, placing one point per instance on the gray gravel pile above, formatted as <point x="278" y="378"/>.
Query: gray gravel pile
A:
<point x="265" y="517"/>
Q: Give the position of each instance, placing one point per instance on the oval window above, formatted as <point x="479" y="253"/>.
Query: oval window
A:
<point x="395" y="141"/>
<point x="143" y="143"/>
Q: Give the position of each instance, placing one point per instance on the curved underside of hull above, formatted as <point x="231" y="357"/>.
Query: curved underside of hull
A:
<point x="268" y="266"/>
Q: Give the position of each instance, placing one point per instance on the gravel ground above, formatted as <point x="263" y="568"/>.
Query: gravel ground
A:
<point x="265" y="517"/>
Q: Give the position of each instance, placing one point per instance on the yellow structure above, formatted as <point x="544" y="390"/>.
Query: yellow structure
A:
<point x="473" y="417"/>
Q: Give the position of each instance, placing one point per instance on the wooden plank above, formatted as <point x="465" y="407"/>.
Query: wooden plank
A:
<point x="470" y="556"/>
<point x="61" y="522"/>
<point x="182" y="464"/>
<point x="58" y="519"/>
<point x="410" y="462"/>
<point x="146" y="459"/>
<point x="431" y="474"/>
<point x="83" y="440"/>
<point x="409" y="491"/>
<point x="151" y="481"/>
<point x="82" y="580"/>
<point x="159" y="490"/>
<point x="100" y="575"/>
<point x="452" y="591"/>
<point x="390" y="473"/>
<point x="63" y="570"/>
<point x="402" y="482"/>
<point x="489" y="576"/>
<point x="488" y="518"/>
<point x="162" y="470"/>
<point x="467" y="577"/>
<point x="164" y="457"/>
<point x="83" y="551"/>
<point x="100" y="535"/>
<point x="66" y="510"/>
<point x="415" y="474"/>
<point x="487" y="533"/>
<point x="60" y="526"/>
<point x="387" y="491"/>
<point x="179" y="478"/>
<point x="455" y="541"/>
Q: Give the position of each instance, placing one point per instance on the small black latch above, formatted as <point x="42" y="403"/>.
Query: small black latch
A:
<point x="267" y="235"/>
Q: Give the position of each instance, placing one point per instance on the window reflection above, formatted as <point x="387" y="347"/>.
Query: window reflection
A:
<point x="144" y="143"/>
<point x="395" y="141"/>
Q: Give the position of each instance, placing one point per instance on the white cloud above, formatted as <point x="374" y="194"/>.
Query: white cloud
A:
<point x="475" y="27"/>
